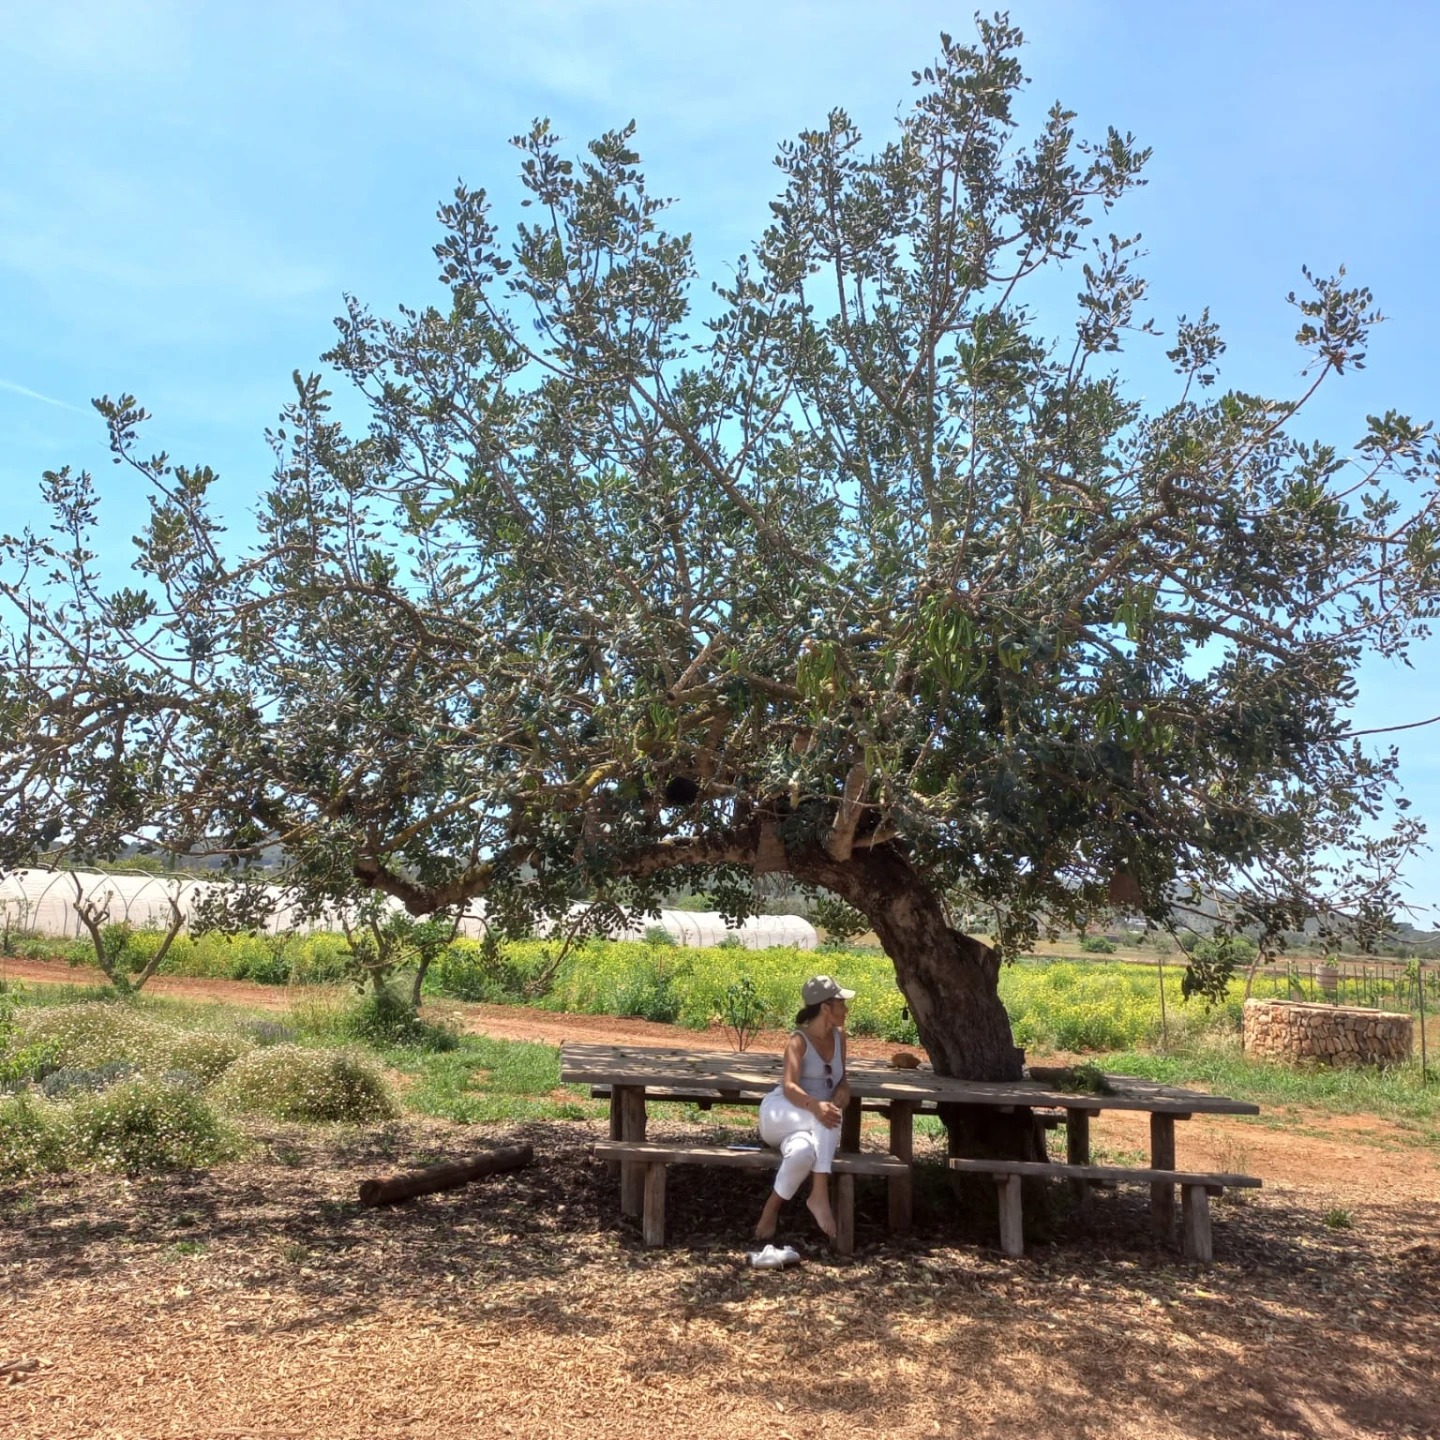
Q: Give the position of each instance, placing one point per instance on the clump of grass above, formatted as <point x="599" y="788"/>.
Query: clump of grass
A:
<point x="33" y="1138"/>
<point x="92" y="1035"/>
<point x="289" y="1082"/>
<point x="381" y="1017"/>
<point x="96" y="1033"/>
<point x="147" y="1124"/>
<point x="205" y="1054"/>
<point x="1337" y="1217"/>
<point x="70" y="1081"/>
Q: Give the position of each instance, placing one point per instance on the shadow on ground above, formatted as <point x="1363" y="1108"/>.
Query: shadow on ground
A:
<point x="1297" y="1329"/>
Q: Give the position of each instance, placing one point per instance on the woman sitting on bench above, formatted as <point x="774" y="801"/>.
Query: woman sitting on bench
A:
<point x="800" y="1117"/>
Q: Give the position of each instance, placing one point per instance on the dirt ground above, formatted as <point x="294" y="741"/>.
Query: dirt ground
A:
<point x="259" y="1299"/>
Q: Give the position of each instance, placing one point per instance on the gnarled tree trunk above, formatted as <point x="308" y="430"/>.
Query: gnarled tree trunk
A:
<point x="950" y="982"/>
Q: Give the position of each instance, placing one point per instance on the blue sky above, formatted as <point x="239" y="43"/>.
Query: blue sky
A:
<point x="189" y="188"/>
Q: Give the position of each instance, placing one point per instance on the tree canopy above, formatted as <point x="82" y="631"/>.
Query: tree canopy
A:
<point x="856" y="564"/>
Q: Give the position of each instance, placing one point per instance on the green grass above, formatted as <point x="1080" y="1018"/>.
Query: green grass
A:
<point x="1396" y="1094"/>
<point x="483" y="1081"/>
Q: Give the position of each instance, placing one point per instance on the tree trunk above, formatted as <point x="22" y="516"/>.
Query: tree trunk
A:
<point x="951" y="984"/>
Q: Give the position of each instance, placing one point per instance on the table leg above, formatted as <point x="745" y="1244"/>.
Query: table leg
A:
<point x="1162" y="1157"/>
<point x="902" y="1146"/>
<point x="617" y="1130"/>
<point x="850" y="1127"/>
<point x="632" y="1127"/>
<point x="1077" y="1151"/>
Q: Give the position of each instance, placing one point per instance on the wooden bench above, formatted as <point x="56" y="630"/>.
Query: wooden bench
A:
<point x="1196" y="1190"/>
<point x="655" y="1158"/>
<point x="707" y="1099"/>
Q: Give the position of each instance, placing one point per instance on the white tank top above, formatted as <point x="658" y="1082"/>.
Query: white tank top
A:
<point x="817" y="1079"/>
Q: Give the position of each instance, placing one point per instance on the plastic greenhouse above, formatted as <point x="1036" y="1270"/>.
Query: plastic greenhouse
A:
<point x="43" y="901"/>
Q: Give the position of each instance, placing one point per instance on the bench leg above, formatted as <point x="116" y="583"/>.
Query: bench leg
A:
<point x="1195" y="1223"/>
<point x="1012" y="1226"/>
<point x="654" y="1224"/>
<point x="844" y="1214"/>
<point x="617" y="1126"/>
<point x="632" y="1127"/>
<point x="1162" y="1197"/>
<point x="902" y="1146"/>
<point x="1077" y="1151"/>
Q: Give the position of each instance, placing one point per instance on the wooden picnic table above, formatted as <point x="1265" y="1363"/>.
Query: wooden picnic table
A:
<point x="638" y="1074"/>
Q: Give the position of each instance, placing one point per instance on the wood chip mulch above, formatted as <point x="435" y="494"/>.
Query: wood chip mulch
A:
<point x="260" y="1300"/>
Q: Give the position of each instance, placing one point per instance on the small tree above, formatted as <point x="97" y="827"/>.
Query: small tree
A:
<point x="112" y="940"/>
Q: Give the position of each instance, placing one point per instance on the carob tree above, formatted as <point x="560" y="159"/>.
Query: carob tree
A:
<point x="847" y="567"/>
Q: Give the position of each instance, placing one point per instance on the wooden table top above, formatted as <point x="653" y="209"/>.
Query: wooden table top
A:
<point x="675" y="1068"/>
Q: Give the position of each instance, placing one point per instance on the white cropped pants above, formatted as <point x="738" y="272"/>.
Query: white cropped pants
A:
<point x="804" y="1144"/>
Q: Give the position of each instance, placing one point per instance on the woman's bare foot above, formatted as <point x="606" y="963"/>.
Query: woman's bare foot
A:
<point x="769" y="1218"/>
<point x="819" y="1207"/>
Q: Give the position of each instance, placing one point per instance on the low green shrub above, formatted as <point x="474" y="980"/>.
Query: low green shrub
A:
<point x="382" y="1017"/>
<point x="289" y="1082"/>
<point x="1097" y="945"/>
<point x="33" y="1138"/>
<point x="205" y="1053"/>
<point x="97" y="1032"/>
<point x="147" y="1124"/>
<point x="69" y="1081"/>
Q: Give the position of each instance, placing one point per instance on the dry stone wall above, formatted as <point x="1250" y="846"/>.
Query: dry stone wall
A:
<point x="1333" y="1034"/>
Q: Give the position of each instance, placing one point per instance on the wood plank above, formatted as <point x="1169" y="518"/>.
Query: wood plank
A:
<point x="632" y="1128"/>
<point x="1054" y="1169"/>
<point x="1012" y="1223"/>
<point x="902" y="1146"/>
<point x="850" y="1126"/>
<point x="1195" y="1223"/>
<point x="845" y="1214"/>
<point x="1162" y="1193"/>
<point x="872" y="1080"/>
<point x="654" y="1222"/>
<point x="1077" y="1151"/>
<point x="866" y="1162"/>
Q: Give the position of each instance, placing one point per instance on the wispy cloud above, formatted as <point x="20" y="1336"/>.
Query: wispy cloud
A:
<point x="30" y="394"/>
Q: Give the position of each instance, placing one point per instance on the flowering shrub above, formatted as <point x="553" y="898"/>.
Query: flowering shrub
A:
<point x="290" y="1082"/>
<point x="87" y="1036"/>
<point x="99" y="1033"/>
<point x="33" y="1138"/>
<point x="147" y="1124"/>
<point x="205" y="1054"/>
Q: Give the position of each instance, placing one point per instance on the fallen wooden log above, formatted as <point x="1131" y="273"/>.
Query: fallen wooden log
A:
<point x="444" y="1177"/>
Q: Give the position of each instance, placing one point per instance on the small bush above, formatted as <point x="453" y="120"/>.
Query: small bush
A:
<point x="206" y="1054"/>
<point x="32" y="1138"/>
<point x="289" y="1082"/>
<point x="658" y="935"/>
<point x="70" y="1081"/>
<point x="98" y="1033"/>
<point x="270" y="1032"/>
<point x="1097" y="945"/>
<point x="381" y="1017"/>
<point x="95" y="1033"/>
<point x="147" y="1124"/>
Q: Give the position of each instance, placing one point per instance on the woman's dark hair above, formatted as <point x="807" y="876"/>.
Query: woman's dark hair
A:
<point x="809" y="1013"/>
